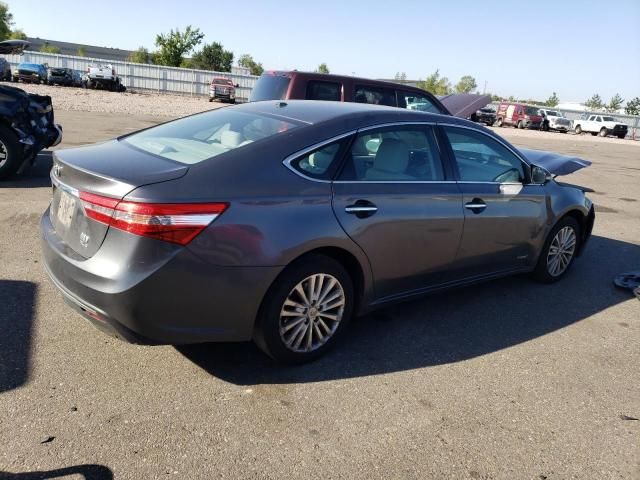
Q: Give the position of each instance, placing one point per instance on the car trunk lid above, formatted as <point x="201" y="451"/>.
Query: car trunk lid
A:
<point x="110" y="169"/>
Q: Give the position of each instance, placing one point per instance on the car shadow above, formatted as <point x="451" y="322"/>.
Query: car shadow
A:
<point x="87" y="472"/>
<point x="17" y="302"/>
<point x="36" y="176"/>
<point x="444" y="328"/>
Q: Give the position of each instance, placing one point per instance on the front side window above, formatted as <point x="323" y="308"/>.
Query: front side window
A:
<point x="200" y="137"/>
<point x="483" y="159"/>
<point x="375" y="95"/>
<point x="399" y="153"/>
<point x="319" y="90"/>
<point x="416" y="101"/>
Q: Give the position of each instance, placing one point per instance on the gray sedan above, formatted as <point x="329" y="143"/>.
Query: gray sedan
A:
<point x="280" y="221"/>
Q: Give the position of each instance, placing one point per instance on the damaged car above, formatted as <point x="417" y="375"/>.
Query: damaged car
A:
<point x="26" y="122"/>
<point x="281" y="220"/>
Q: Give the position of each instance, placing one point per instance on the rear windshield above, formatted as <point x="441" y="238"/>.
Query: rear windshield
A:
<point x="531" y="110"/>
<point x="270" y="87"/>
<point x="200" y="137"/>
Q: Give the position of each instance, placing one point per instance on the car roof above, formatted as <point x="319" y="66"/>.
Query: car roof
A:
<point x="318" y="111"/>
<point x="334" y="77"/>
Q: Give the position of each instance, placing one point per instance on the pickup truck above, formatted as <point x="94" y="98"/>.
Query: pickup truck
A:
<point x="103" y="76"/>
<point x="554" y="120"/>
<point x="602" y="125"/>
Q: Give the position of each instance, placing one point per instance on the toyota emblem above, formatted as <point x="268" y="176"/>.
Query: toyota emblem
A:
<point x="57" y="170"/>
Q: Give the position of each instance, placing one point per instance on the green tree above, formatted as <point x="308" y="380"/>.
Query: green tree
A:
<point x="400" y="77"/>
<point x="141" y="55"/>
<point x="436" y="84"/>
<point x="213" y="57"/>
<point x="247" y="61"/>
<point x="17" y="34"/>
<point x="594" y="103"/>
<point x="615" y="103"/>
<point x="6" y="21"/>
<point x="466" y="84"/>
<point x="82" y="52"/>
<point x="48" y="48"/>
<point x="633" y="106"/>
<point x="552" y="101"/>
<point x="322" y="68"/>
<point x="174" y="45"/>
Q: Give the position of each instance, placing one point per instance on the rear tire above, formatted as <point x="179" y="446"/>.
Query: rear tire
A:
<point x="520" y="125"/>
<point x="11" y="151"/>
<point x="621" y="136"/>
<point x="290" y="325"/>
<point x="559" y="251"/>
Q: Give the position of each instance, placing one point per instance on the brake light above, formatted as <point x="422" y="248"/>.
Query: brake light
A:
<point x="172" y="222"/>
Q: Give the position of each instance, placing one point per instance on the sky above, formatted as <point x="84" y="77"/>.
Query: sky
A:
<point x="525" y="49"/>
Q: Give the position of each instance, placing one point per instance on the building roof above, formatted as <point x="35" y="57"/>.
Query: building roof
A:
<point x="67" y="48"/>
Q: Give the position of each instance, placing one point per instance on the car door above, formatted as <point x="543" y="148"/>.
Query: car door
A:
<point x="505" y="215"/>
<point x="396" y="199"/>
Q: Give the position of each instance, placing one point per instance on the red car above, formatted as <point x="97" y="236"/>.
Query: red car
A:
<point x="223" y="89"/>
<point x="518" y="115"/>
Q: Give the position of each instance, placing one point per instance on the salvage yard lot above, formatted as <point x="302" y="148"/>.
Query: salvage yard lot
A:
<point x="510" y="379"/>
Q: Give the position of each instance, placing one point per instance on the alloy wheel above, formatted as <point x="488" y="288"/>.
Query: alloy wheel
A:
<point x="4" y="155"/>
<point x="311" y="313"/>
<point x="561" y="251"/>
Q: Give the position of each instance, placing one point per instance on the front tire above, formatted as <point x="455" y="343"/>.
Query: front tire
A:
<point x="559" y="251"/>
<point x="603" y="132"/>
<point x="10" y="153"/>
<point x="578" y="130"/>
<point x="499" y="122"/>
<point x="306" y="310"/>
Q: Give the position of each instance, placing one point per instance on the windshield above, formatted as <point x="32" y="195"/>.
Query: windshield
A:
<point x="221" y="81"/>
<point x="553" y="113"/>
<point x="531" y="111"/>
<point x="608" y="119"/>
<point x="200" y="137"/>
<point x="487" y="110"/>
<point x="270" y="87"/>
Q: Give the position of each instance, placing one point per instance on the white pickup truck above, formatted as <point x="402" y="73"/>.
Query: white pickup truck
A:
<point x="103" y="76"/>
<point x="554" y="120"/>
<point x="602" y="125"/>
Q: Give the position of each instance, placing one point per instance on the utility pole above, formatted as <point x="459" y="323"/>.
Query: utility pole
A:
<point x="484" y="91"/>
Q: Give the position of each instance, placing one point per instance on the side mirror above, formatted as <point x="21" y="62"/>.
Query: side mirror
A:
<point x="539" y="175"/>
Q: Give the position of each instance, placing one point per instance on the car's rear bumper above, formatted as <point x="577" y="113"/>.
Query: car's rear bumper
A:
<point x="153" y="293"/>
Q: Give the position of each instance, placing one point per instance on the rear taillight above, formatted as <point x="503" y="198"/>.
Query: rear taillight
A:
<point x="172" y="222"/>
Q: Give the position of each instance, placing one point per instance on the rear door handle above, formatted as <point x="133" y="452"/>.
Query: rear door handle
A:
<point x="476" y="205"/>
<point x="361" y="209"/>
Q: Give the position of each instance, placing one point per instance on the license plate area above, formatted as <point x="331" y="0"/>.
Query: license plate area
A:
<point x="66" y="209"/>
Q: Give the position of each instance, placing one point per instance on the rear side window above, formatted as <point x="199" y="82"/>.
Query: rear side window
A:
<point x="398" y="153"/>
<point x="200" y="137"/>
<point x="317" y="90"/>
<point x="270" y="87"/>
<point x="416" y="101"/>
<point x="320" y="163"/>
<point x="375" y="95"/>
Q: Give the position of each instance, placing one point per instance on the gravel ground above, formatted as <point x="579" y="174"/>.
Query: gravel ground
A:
<point x="133" y="103"/>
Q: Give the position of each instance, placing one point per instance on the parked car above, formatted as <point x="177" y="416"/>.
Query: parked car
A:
<point x="554" y="120"/>
<point x="278" y="221"/>
<point x="222" y="89"/>
<point x="59" y="76"/>
<point x="102" y="76"/>
<point x="5" y="70"/>
<point x="602" y="125"/>
<point x="518" y="115"/>
<point x="485" y="115"/>
<point x="294" y="85"/>
<point x="30" y="73"/>
<point x="76" y="78"/>
<point x="26" y="122"/>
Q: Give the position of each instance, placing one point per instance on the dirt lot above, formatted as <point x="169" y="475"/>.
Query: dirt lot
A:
<point x="507" y="380"/>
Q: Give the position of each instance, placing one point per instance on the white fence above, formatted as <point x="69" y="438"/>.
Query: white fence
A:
<point x="138" y="76"/>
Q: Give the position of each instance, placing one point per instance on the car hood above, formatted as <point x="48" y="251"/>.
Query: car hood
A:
<point x="463" y="105"/>
<point x="555" y="163"/>
<point x="13" y="47"/>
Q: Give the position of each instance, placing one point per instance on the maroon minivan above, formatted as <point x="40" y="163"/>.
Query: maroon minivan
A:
<point x="294" y="85"/>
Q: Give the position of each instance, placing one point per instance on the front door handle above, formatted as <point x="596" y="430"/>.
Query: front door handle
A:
<point x="476" y="205"/>
<point x="361" y="209"/>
